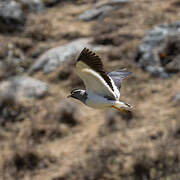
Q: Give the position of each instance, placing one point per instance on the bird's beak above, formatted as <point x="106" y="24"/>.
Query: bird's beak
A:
<point x="69" y="96"/>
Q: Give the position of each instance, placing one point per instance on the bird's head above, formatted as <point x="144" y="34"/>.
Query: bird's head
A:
<point x="77" y="94"/>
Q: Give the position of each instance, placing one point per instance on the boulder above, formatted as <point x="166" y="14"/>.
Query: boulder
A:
<point x="32" y="5"/>
<point x="176" y="98"/>
<point x="94" y="13"/>
<point x="11" y="12"/>
<point x="101" y="9"/>
<point x="152" y="53"/>
<point x="21" y="87"/>
<point x="53" y="58"/>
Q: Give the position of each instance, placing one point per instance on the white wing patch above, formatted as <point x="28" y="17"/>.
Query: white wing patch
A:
<point x="93" y="81"/>
<point x="116" y="91"/>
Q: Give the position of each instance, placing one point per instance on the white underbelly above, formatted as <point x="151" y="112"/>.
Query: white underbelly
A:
<point x="98" y="102"/>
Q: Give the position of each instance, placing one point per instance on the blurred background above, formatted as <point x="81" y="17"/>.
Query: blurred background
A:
<point x="45" y="136"/>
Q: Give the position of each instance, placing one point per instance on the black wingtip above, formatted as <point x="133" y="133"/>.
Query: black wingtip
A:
<point x="86" y="53"/>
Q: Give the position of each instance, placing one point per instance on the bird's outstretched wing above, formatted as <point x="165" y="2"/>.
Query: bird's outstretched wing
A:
<point x="90" y="69"/>
<point x="118" y="76"/>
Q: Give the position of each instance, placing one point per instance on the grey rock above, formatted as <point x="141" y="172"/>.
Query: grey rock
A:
<point x="176" y="98"/>
<point x="101" y="9"/>
<point x="118" y="1"/>
<point x="53" y="58"/>
<point x="20" y="87"/>
<point x="32" y="5"/>
<point x="94" y="13"/>
<point x="111" y="2"/>
<point x="11" y="11"/>
<point x="153" y="42"/>
<point x="15" y="11"/>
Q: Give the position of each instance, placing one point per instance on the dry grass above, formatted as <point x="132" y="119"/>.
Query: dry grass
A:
<point x="50" y="142"/>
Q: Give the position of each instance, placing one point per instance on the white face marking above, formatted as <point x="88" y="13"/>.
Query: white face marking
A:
<point x="75" y="91"/>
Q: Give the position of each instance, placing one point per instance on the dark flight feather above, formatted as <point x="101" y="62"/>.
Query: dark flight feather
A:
<point x="94" y="62"/>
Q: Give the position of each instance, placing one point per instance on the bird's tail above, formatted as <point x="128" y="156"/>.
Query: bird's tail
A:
<point x="122" y="106"/>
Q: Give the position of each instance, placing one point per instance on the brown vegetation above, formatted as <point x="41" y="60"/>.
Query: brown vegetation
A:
<point x="53" y="138"/>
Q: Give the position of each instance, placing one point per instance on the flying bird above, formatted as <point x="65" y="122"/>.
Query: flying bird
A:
<point x="102" y="90"/>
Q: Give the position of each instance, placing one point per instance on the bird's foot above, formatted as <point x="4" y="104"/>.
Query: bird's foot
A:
<point x="122" y="109"/>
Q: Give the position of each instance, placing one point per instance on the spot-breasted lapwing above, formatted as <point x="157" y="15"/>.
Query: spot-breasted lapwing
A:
<point x="102" y="89"/>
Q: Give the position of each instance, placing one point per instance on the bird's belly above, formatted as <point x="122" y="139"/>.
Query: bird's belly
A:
<point x="98" y="102"/>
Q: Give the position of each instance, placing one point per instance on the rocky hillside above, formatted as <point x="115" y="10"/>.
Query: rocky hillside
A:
<point x="44" y="135"/>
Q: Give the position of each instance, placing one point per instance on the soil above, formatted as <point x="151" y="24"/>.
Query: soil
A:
<point x="55" y="138"/>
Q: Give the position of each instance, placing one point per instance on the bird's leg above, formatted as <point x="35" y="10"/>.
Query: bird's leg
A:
<point x="120" y="109"/>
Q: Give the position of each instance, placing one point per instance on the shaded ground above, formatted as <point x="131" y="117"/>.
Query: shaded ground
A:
<point x="56" y="139"/>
